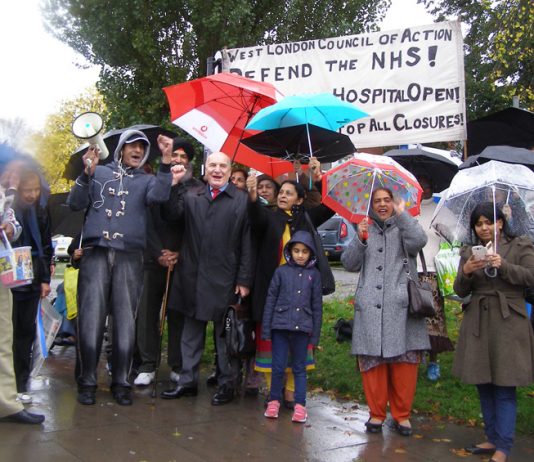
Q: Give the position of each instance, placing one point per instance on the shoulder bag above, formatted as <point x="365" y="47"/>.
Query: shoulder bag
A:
<point x="420" y="298"/>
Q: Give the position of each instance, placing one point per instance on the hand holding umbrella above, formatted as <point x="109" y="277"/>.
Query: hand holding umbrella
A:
<point x="315" y="167"/>
<point x="363" y="230"/>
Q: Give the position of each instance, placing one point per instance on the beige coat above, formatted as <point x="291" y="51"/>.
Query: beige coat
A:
<point x="496" y="342"/>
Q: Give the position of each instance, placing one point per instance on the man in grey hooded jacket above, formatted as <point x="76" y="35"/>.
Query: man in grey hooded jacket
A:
<point x="110" y="281"/>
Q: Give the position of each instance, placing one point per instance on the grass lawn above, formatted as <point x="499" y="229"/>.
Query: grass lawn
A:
<point x="446" y="400"/>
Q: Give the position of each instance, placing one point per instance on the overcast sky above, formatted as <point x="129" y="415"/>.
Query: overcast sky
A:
<point x="38" y="71"/>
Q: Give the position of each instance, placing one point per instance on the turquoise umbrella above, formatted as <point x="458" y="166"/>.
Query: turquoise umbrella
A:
<point x="323" y="110"/>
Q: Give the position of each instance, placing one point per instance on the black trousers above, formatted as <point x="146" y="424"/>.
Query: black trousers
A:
<point x="147" y="328"/>
<point x="109" y="282"/>
<point x="25" y="306"/>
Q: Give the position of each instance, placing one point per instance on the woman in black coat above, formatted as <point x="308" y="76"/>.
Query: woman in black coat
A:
<point x="272" y="228"/>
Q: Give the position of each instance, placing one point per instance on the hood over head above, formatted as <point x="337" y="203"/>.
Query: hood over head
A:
<point x="129" y="136"/>
<point x="304" y="237"/>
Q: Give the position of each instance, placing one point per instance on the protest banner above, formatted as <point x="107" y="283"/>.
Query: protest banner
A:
<point x="409" y="81"/>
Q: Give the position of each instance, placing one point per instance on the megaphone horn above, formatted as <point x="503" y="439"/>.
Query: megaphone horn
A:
<point x="88" y="126"/>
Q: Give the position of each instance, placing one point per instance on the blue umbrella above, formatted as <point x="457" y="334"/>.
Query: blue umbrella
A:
<point x="323" y="110"/>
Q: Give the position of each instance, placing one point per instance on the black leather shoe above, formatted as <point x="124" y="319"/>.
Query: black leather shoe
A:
<point x="24" y="417"/>
<point x="86" y="397"/>
<point x="403" y="430"/>
<point x="123" y="396"/>
<point x="477" y="450"/>
<point x="371" y="427"/>
<point x="224" y="395"/>
<point x="212" y="379"/>
<point x="179" y="391"/>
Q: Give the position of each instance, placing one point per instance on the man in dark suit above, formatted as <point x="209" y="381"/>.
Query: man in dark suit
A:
<point x="215" y="264"/>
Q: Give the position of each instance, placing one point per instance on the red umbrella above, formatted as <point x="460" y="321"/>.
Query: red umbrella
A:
<point x="215" y="110"/>
<point x="347" y="188"/>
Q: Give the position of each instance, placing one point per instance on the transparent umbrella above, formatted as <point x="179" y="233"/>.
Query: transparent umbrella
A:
<point x="496" y="182"/>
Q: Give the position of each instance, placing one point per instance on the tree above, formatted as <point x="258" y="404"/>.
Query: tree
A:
<point x="55" y="143"/>
<point x="144" y="45"/>
<point x="498" y="51"/>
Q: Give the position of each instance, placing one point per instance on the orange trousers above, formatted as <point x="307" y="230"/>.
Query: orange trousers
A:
<point x="394" y="383"/>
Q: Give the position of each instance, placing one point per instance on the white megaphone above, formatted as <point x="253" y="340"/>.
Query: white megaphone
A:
<point x="88" y="126"/>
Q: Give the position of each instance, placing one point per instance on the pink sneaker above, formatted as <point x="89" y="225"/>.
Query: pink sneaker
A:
<point x="272" y="409"/>
<point x="299" y="415"/>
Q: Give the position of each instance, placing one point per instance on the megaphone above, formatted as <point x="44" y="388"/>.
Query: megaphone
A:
<point x="88" y="126"/>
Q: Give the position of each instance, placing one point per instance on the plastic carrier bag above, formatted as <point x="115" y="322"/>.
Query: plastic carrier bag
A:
<point x="446" y="262"/>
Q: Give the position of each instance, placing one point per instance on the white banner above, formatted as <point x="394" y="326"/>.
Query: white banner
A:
<point x="409" y="81"/>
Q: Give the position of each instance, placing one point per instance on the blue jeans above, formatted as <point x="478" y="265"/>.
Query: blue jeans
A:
<point x="285" y="341"/>
<point x="499" y="409"/>
<point x="110" y="282"/>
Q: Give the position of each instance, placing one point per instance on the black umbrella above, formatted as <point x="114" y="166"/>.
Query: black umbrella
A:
<point x="511" y="127"/>
<point x="439" y="168"/>
<point x="295" y="143"/>
<point x="502" y="153"/>
<point x="75" y="165"/>
<point x="62" y="219"/>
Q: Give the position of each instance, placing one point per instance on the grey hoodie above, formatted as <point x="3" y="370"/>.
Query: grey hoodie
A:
<point x="117" y="198"/>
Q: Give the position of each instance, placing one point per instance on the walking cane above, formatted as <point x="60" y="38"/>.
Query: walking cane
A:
<point x="162" y="314"/>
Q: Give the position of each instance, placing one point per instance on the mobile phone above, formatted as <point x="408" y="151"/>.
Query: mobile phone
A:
<point x="479" y="252"/>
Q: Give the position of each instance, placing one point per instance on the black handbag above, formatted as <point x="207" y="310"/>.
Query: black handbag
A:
<point x="239" y="332"/>
<point x="343" y="330"/>
<point x="420" y="294"/>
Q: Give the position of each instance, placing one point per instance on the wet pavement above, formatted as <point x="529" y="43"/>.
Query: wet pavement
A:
<point x="190" y="429"/>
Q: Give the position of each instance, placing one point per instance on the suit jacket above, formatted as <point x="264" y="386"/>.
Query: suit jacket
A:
<point x="216" y="251"/>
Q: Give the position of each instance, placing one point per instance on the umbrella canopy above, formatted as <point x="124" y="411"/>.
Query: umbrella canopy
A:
<point x="324" y="110"/>
<point x="502" y="154"/>
<point x="495" y="182"/>
<point x="347" y="189"/>
<point x="511" y="126"/>
<point x="75" y="164"/>
<point x="63" y="220"/>
<point x="215" y="110"/>
<point x="291" y="143"/>
<point x="437" y="165"/>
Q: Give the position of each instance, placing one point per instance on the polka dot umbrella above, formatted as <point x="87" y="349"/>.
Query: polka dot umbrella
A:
<point x="347" y="188"/>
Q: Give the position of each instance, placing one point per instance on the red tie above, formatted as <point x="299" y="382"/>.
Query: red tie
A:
<point x="215" y="193"/>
